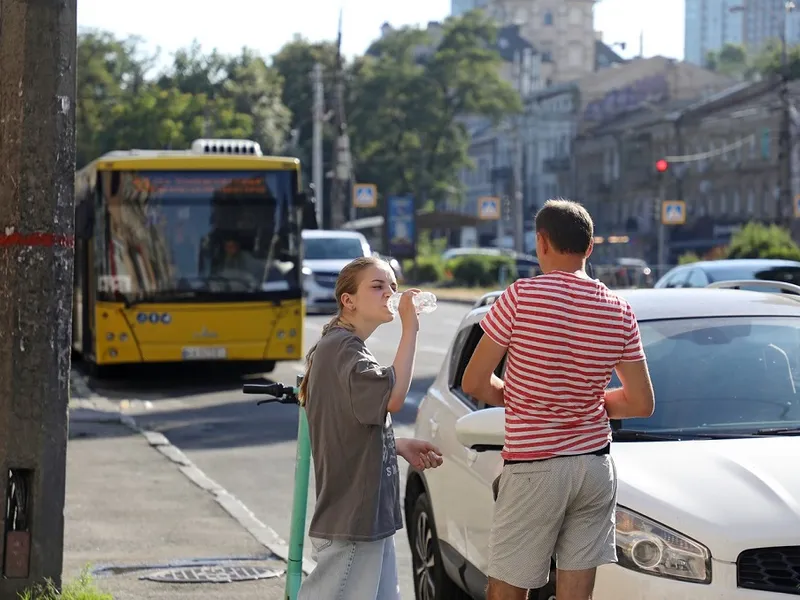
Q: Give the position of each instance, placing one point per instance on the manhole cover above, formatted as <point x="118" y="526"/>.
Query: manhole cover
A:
<point x="212" y="574"/>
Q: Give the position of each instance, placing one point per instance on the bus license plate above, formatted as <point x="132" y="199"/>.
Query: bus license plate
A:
<point x="204" y="353"/>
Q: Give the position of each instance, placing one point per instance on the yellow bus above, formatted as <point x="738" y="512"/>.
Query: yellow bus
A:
<point x="190" y="255"/>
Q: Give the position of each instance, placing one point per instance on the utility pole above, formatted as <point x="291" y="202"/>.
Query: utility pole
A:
<point x="37" y="166"/>
<point x="785" y="212"/>
<point x="316" y="159"/>
<point x="342" y="163"/>
<point x="517" y="197"/>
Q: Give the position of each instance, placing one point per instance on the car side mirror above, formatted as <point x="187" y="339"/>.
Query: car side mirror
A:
<point x="482" y="430"/>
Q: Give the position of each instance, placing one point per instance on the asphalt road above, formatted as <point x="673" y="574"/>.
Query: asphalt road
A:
<point x="250" y="450"/>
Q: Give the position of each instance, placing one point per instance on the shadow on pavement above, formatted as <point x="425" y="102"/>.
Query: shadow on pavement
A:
<point x="161" y="382"/>
<point x="235" y="420"/>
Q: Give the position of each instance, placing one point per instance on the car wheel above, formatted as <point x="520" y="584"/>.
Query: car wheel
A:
<point x="430" y="580"/>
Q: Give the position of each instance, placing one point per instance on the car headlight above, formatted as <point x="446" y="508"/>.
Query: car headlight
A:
<point x="649" y="547"/>
<point x="307" y="272"/>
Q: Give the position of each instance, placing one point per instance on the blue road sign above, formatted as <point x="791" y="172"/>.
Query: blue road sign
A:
<point x="365" y="195"/>
<point x="401" y="226"/>
<point x="489" y="208"/>
<point x="673" y="212"/>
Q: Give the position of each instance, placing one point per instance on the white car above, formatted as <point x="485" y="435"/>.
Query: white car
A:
<point x="325" y="253"/>
<point x="709" y="485"/>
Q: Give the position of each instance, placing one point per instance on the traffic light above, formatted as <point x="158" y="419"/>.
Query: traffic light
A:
<point x="662" y="165"/>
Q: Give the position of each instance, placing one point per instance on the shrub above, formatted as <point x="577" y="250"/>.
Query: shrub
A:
<point x="482" y="271"/>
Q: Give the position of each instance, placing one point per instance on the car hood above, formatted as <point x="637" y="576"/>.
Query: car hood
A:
<point x="729" y="495"/>
<point x="328" y="265"/>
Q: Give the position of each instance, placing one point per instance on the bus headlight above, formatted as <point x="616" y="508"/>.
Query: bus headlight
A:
<point x="648" y="547"/>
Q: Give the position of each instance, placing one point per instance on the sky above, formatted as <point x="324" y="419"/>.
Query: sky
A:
<point x="266" y="25"/>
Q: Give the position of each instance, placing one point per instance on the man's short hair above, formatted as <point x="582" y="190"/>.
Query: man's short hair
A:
<point x="567" y="225"/>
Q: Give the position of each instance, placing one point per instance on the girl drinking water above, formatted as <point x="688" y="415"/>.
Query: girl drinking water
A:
<point x="349" y="398"/>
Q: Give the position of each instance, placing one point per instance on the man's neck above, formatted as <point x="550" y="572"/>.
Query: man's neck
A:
<point x="569" y="264"/>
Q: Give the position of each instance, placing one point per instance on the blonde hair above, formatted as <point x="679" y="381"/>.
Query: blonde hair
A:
<point x="347" y="283"/>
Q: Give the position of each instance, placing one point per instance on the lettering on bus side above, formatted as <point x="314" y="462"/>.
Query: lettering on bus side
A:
<point x="114" y="283"/>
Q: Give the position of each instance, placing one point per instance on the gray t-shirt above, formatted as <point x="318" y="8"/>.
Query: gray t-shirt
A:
<point x="352" y="442"/>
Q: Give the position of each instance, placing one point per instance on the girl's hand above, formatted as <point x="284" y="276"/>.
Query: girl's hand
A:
<point x="419" y="454"/>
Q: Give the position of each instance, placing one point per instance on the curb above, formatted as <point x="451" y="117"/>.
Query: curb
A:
<point x="264" y="535"/>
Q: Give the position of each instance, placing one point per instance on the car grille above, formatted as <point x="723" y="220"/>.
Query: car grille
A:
<point x="327" y="280"/>
<point x="774" y="570"/>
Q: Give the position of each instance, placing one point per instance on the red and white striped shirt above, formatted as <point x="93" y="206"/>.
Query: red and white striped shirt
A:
<point x="564" y="335"/>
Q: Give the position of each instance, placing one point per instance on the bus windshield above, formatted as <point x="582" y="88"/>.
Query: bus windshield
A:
<point x="213" y="235"/>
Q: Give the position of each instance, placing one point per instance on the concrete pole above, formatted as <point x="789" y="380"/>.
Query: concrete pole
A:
<point x="316" y="159"/>
<point x="37" y="165"/>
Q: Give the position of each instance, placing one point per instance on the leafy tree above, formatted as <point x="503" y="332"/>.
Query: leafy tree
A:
<point x="688" y="258"/>
<point x="295" y="62"/>
<point x="109" y="72"/>
<point x="407" y="104"/>
<point x="120" y="107"/>
<point x="731" y="60"/>
<point x="756" y="240"/>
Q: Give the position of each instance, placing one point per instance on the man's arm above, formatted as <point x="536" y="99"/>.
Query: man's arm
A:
<point x="479" y="380"/>
<point x="635" y="398"/>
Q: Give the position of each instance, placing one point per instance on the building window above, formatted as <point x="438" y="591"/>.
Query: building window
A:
<point x="548" y="18"/>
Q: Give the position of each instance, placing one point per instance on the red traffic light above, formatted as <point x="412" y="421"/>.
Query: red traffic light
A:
<point x="661" y="165"/>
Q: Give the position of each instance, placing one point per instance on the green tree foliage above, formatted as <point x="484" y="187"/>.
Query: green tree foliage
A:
<point x="119" y="107"/>
<point x="407" y="105"/>
<point x="735" y="61"/>
<point x="756" y="240"/>
<point x="404" y="108"/>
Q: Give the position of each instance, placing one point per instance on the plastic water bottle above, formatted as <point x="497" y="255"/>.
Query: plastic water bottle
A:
<point x="424" y="301"/>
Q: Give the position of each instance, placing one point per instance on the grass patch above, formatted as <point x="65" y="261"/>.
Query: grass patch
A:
<point x="83" y="588"/>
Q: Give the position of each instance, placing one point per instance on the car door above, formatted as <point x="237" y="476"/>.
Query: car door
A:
<point x="453" y="479"/>
<point x="484" y="467"/>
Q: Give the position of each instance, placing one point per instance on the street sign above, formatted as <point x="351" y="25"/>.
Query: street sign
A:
<point x="489" y="208"/>
<point x="673" y="212"/>
<point x="365" y="195"/>
<point x="797" y="207"/>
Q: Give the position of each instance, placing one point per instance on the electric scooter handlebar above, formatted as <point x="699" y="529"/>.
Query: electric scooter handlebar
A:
<point x="282" y="394"/>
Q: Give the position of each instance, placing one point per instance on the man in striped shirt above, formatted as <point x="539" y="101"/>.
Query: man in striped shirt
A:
<point x="564" y="334"/>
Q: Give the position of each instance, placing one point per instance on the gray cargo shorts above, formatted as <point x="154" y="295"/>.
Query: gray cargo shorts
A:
<point x="563" y="507"/>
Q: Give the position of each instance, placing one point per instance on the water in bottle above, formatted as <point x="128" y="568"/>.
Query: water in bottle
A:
<point x="424" y="301"/>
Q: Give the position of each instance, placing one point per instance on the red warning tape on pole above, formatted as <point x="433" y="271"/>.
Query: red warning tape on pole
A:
<point x="46" y="240"/>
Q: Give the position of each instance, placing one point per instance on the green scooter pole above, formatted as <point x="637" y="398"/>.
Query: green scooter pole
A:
<point x="285" y="395"/>
<point x="297" y="535"/>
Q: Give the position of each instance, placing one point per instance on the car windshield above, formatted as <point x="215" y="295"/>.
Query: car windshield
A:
<point x="722" y="374"/>
<point x="332" y="248"/>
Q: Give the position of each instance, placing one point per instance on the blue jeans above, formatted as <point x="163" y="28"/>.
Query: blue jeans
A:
<point x="352" y="571"/>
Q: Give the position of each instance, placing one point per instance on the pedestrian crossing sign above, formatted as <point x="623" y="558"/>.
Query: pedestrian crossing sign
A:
<point x="673" y="212"/>
<point x="365" y="195"/>
<point x="797" y="207"/>
<point x="489" y="208"/>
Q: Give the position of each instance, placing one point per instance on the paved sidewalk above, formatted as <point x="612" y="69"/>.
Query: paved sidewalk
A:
<point x="137" y="509"/>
